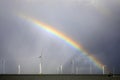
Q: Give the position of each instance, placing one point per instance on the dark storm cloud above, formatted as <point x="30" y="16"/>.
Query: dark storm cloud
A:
<point x="105" y="42"/>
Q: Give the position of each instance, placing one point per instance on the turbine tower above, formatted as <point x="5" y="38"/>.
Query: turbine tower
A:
<point x="90" y="68"/>
<point x="40" y="65"/>
<point x="73" y="66"/>
<point x="61" y="68"/>
<point x="104" y="69"/>
<point x="3" y="67"/>
<point x="19" y="69"/>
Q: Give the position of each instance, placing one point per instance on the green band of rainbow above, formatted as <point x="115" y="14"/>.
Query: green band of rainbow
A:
<point x="65" y="38"/>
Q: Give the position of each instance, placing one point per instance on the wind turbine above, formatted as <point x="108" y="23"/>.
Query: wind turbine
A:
<point x="104" y="69"/>
<point x="19" y="69"/>
<point x="90" y="68"/>
<point x="40" y="65"/>
<point x="60" y="69"/>
<point x="73" y="66"/>
<point x="3" y="67"/>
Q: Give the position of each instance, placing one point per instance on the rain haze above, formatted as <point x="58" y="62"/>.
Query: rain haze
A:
<point x="26" y="48"/>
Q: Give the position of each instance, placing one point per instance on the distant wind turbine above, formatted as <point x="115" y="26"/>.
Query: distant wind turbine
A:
<point x="40" y="65"/>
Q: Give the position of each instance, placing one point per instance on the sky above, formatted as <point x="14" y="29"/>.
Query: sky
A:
<point x="95" y="24"/>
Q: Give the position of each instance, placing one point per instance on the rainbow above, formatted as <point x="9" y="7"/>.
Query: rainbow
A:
<point x="64" y="38"/>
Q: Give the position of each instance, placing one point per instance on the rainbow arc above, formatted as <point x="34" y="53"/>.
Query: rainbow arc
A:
<point x="63" y="37"/>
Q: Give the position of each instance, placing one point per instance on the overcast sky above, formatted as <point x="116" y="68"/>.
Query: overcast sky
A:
<point x="93" y="23"/>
